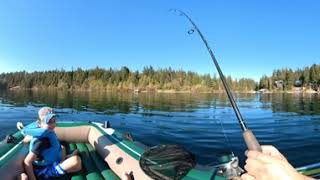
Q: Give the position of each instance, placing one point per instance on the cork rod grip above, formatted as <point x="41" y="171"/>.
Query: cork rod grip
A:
<point x="251" y="141"/>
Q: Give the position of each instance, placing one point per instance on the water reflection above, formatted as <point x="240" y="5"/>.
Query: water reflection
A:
<point x="302" y="104"/>
<point x="127" y="102"/>
<point x="123" y="102"/>
<point x="192" y="120"/>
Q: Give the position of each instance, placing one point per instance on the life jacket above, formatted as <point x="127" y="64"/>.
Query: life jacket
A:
<point x="49" y="155"/>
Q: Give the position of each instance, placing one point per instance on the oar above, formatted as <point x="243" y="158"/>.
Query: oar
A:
<point x="248" y="136"/>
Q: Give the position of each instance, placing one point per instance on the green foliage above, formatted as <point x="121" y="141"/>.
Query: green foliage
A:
<point x="245" y="84"/>
<point x="309" y="77"/>
<point x="105" y="79"/>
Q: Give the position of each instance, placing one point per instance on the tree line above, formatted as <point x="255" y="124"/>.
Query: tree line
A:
<point x="149" y="79"/>
<point x="286" y="79"/>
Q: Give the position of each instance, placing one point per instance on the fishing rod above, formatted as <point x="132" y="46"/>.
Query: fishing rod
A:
<point x="248" y="136"/>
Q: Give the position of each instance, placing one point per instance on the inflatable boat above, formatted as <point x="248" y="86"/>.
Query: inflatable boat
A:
<point x="108" y="154"/>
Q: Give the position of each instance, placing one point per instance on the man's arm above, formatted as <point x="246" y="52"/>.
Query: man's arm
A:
<point x="28" y="165"/>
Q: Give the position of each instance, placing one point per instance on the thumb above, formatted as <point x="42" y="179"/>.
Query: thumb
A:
<point x="260" y="156"/>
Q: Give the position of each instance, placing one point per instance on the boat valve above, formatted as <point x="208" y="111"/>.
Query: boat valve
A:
<point x="106" y="124"/>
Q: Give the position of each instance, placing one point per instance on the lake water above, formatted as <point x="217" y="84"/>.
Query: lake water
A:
<point x="291" y="122"/>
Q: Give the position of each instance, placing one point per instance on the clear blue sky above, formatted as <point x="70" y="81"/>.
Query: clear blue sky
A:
<point x="249" y="38"/>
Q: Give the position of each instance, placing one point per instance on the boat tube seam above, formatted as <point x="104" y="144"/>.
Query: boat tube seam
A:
<point x="112" y="135"/>
<point x="123" y="144"/>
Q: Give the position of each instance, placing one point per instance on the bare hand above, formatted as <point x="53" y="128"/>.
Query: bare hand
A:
<point x="269" y="165"/>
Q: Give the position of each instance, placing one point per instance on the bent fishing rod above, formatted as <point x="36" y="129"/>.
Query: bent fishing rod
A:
<point x="248" y="136"/>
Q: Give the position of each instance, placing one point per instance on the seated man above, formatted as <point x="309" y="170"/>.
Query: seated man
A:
<point x="45" y="159"/>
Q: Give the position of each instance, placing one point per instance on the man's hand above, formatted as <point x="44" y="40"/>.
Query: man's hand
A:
<point x="269" y="165"/>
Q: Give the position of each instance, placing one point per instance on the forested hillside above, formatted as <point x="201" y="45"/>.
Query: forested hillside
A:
<point x="125" y="79"/>
<point x="154" y="80"/>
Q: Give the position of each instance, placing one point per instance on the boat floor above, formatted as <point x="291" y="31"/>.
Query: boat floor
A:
<point x="93" y="166"/>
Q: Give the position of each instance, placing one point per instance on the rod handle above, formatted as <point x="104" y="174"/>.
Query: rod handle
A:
<point x="251" y="141"/>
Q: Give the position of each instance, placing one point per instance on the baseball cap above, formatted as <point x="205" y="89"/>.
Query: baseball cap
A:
<point x="45" y="114"/>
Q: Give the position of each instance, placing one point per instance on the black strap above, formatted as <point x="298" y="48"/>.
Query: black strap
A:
<point x="9" y="139"/>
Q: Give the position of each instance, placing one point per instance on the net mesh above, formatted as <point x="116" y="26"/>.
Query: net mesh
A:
<point x="166" y="162"/>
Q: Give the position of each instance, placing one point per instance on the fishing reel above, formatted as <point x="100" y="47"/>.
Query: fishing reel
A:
<point x="229" y="166"/>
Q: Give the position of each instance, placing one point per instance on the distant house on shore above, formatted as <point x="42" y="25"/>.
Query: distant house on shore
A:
<point x="15" y="88"/>
<point x="297" y="83"/>
<point x="297" y="86"/>
<point x="263" y="90"/>
<point x="279" y="84"/>
<point x="136" y="90"/>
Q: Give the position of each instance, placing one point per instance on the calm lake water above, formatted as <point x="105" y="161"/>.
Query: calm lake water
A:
<point x="291" y="122"/>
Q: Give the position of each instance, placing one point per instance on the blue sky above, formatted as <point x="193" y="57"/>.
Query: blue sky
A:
<point x="249" y="38"/>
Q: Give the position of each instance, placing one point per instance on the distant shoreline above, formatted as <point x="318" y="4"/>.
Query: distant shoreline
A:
<point x="162" y="80"/>
<point x="166" y="91"/>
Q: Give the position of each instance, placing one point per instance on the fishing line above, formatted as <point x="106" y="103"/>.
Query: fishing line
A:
<point x="226" y="136"/>
<point x="247" y="134"/>
<point x="229" y="146"/>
